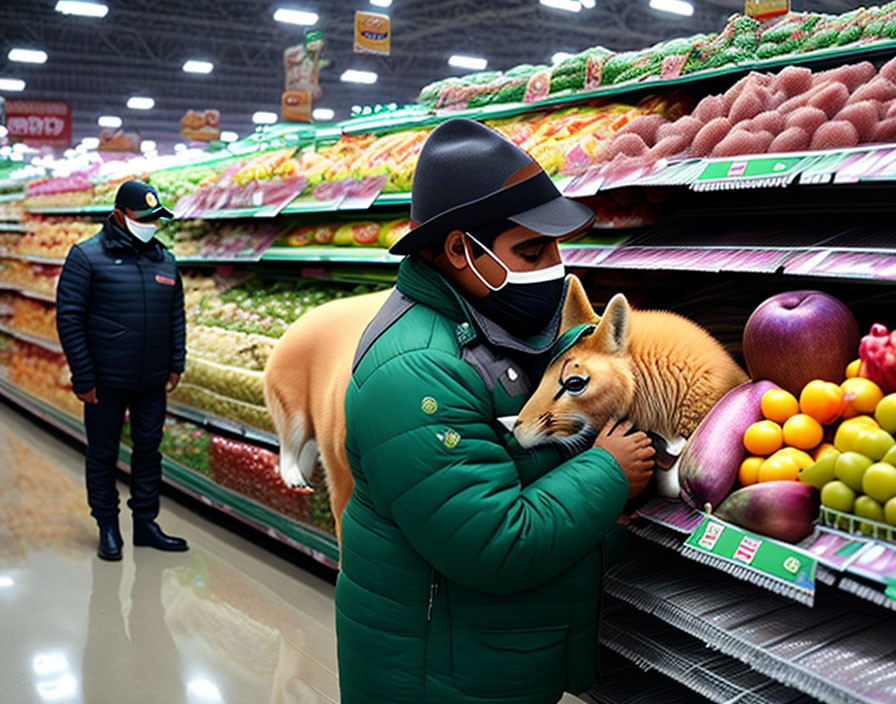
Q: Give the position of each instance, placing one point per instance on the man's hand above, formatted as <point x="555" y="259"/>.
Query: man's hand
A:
<point x="173" y="381"/>
<point x="633" y="453"/>
<point x="88" y="396"/>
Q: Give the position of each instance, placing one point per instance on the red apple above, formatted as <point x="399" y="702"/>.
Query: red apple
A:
<point x="798" y="336"/>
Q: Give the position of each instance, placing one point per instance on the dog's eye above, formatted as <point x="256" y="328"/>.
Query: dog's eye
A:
<point x="575" y="385"/>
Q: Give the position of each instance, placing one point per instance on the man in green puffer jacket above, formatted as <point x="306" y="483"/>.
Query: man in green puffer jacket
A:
<point x="471" y="567"/>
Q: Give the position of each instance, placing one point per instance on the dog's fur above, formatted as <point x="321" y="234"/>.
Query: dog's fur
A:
<point x="661" y="371"/>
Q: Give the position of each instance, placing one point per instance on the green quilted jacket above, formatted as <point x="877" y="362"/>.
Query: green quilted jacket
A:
<point x="471" y="567"/>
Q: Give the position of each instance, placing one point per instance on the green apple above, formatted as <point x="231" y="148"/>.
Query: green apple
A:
<point x="822" y="471"/>
<point x="838" y="496"/>
<point x="885" y="413"/>
<point x="846" y="438"/>
<point x="866" y="507"/>
<point x="890" y="512"/>
<point x="849" y="468"/>
<point x="874" y="443"/>
<point x="879" y="481"/>
<point x="890" y="457"/>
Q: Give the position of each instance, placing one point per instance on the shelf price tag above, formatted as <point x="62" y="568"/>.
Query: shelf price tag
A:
<point x="766" y="557"/>
<point x="765" y="167"/>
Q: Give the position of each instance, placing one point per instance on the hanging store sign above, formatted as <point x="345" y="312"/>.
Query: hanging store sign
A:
<point x="119" y="141"/>
<point x="39" y="123"/>
<point x="373" y="33"/>
<point x="766" y="9"/>
<point x="201" y="126"/>
<point x="295" y="106"/>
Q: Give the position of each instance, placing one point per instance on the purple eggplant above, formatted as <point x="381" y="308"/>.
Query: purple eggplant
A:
<point x="784" y="510"/>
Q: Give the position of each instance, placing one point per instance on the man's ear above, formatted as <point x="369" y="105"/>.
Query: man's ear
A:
<point x="576" y="308"/>
<point x="453" y="249"/>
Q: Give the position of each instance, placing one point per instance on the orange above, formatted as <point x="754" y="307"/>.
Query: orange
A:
<point x="823" y="449"/>
<point x="854" y="369"/>
<point x="803" y="431"/>
<point x="823" y="400"/>
<point x="749" y="470"/>
<point x="802" y="459"/>
<point x="860" y="396"/>
<point x="779" y="467"/>
<point x="779" y="405"/>
<point x="763" y="438"/>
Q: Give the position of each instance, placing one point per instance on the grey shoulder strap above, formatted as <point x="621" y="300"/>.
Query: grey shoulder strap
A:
<point x="396" y="305"/>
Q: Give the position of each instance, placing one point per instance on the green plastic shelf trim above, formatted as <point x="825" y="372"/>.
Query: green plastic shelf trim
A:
<point x="364" y="255"/>
<point x="13" y="227"/>
<point x="72" y="210"/>
<point x="10" y="197"/>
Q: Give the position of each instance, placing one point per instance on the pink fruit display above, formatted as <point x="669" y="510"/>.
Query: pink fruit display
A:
<point x="833" y="135"/>
<point x="793" y="139"/>
<point x="878" y="354"/>
<point x="783" y="330"/>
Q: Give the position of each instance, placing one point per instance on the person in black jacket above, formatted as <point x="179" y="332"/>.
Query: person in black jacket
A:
<point x="120" y="317"/>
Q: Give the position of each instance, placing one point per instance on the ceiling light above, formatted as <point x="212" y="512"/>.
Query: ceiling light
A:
<point x="678" y="7"/>
<point x="90" y="142"/>
<point x="194" y="66"/>
<point x="381" y="3"/>
<point x="228" y="136"/>
<point x="6" y="581"/>
<point x="109" y="121"/>
<point x="79" y="7"/>
<point x="560" y="57"/>
<point x="69" y="153"/>
<point x="28" y="56"/>
<point x="322" y="114"/>
<point x="138" y="103"/>
<point x="587" y="4"/>
<point x="12" y="84"/>
<point x="568" y="5"/>
<point x="295" y="17"/>
<point x="147" y="145"/>
<point x="353" y="76"/>
<point x="264" y="118"/>
<point x="179" y="147"/>
<point x="474" y="63"/>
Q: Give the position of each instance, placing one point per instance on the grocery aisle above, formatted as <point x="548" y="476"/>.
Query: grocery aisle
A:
<point x="225" y="622"/>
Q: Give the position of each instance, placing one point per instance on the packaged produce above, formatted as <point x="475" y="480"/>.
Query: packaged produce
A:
<point x="710" y="462"/>
<point x="254" y="416"/>
<point x="229" y="347"/>
<point x="34" y="318"/>
<point x="240" y="384"/>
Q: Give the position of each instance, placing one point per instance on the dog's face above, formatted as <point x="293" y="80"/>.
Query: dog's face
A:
<point x="588" y="384"/>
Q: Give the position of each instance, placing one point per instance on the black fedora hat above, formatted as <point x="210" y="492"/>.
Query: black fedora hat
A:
<point x="468" y="176"/>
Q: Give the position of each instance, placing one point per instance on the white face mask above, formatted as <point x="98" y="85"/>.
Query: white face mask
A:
<point x="142" y="231"/>
<point x="539" y="276"/>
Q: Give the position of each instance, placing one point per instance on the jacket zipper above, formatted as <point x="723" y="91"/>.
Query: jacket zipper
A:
<point x="145" y="328"/>
<point x="433" y="591"/>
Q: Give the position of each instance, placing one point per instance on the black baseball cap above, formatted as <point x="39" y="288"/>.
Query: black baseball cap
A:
<point x="143" y="199"/>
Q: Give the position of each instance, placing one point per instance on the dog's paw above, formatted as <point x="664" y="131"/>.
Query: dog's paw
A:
<point x="292" y="477"/>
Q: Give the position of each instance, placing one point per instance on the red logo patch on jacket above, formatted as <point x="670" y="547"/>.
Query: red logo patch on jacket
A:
<point x="165" y="280"/>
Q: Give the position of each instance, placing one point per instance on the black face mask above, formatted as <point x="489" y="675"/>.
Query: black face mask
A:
<point x="523" y="309"/>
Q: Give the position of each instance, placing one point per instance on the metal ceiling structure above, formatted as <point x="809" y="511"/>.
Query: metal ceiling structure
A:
<point x="140" y="46"/>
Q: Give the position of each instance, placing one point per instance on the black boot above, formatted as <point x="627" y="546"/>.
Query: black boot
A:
<point x="110" y="541"/>
<point x="148" y="533"/>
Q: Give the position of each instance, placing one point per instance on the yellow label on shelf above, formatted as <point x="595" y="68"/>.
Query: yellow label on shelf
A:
<point x="373" y="33"/>
<point x="766" y="9"/>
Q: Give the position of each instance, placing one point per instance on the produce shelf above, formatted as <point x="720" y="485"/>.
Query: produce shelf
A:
<point x="622" y="682"/>
<point x="27" y="293"/>
<point x="49" y="345"/>
<point x="223" y="425"/>
<point x="72" y="210"/>
<point x="12" y="197"/>
<point x="364" y="255"/>
<point x="321" y="546"/>
<point x="34" y="258"/>
<point x="840" y="653"/>
<point x="652" y="644"/>
<point x="13" y="227"/>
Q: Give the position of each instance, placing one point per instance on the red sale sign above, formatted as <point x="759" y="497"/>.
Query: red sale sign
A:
<point x="39" y="123"/>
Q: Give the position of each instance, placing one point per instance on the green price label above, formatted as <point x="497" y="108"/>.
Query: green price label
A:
<point x="755" y="552"/>
<point x="750" y="168"/>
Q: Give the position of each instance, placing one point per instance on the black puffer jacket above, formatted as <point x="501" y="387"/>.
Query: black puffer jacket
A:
<point x="120" y="312"/>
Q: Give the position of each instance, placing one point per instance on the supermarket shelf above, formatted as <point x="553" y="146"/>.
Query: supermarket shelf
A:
<point x="49" y="345"/>
<point x="815" y="651"/>
<point x="14" y="227"/>
<point x="652" y="644"/>
<point x="223" y="425"/>
<point x="364" y="255"/>
<point x="72" y="210"/>
<point x="12" y="197"/>
<point x="34" y="258"/>
<point x="321" y="546"/>
<point x="27" y="293"/>
<point x="622" y="682"/>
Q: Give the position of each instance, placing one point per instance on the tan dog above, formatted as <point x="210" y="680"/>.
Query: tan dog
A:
<point x="661" y="371"/>
<point x="304" y="385"/>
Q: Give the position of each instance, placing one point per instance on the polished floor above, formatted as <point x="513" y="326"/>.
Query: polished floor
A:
<point x="227" y="622"/>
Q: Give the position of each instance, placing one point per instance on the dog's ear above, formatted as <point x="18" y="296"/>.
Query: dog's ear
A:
<point x="612" y="333"/>
<point x="576" y="308"/>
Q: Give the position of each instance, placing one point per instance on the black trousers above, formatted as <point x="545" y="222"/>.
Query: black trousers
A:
<point x="103" y="422"/>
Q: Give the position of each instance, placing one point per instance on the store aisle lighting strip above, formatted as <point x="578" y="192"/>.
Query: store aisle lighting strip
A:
<point x="82" y="8"/>
<point x="588" y="4"/>
<point x="295" y="17"/>
<point x="323" y="114"/>
<point x="354" y="76"/>
<point x="112" y="121"/>
<point x="228" y="136"/>
<point x="193" y="66"/>
<point x="264" y="118"/>
<point x="28" y="56"/>
<point x="15" y="84"/>
<point x="677" y="7"/>
<point x="568" y="5"/>
<point x="474" y="63"/>
<point x="90" y="142"/>
<point x="137" y="102"/>
<point x="147" y="145"/>
<point x="381" y="3"/>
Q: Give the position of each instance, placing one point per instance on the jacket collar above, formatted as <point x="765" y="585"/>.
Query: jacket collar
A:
<point x="420" y="281"/>
<point x="117" y="239"/>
